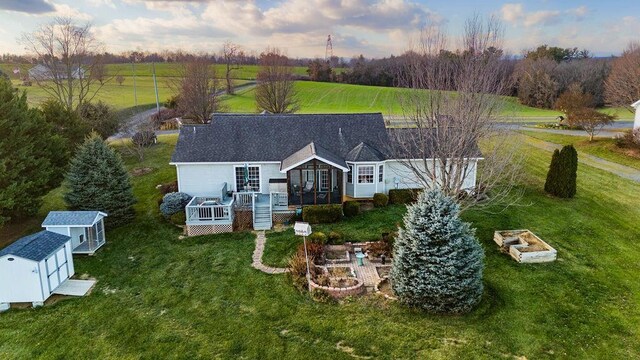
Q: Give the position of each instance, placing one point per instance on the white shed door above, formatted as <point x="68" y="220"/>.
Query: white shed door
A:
<point x="57" y="270"/>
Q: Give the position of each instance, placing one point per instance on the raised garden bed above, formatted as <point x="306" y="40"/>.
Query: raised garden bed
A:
<point x="341" y="271"/>
<point x="524" y="246"/>
<point x="341" y="287"/>
<point x="383" y="271"/>
<point x="336" y="254"/>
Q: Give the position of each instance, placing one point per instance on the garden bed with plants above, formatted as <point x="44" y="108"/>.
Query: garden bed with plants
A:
<point x="384" y="288"/>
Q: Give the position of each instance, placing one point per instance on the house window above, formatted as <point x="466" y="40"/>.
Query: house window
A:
<point x="350" y="175"/>
<point x="254" y="178"/>
<point x="365" y="174"/>
<point x="380" y="173"/>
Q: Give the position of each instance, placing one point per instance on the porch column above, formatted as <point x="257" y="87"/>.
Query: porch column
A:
<point x="330" y="184"/>
<point x="301" y="187"/>
<point x="315" y="182"/>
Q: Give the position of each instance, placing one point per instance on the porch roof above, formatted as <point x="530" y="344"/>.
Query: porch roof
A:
<point x="310" y="152"/>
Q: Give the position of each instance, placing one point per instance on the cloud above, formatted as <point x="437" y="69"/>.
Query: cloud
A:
<point x="99" y="3"/>
<point x="67" y="11"/>
<point x="27" y="6"/>
<point x="515" y="14"/>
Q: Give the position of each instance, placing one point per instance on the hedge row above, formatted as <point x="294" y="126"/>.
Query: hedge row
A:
<point x="322" y="214"/>
<point x="403" y="196"/>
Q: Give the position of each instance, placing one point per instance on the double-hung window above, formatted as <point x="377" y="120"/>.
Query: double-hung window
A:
<point x="365" y="174"/>
<point x="350" y="175"/>
<point x="380" y="173"/>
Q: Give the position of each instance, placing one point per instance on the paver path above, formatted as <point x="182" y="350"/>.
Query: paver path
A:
<point x="594" y="161"/>
<point x="261" y="239"/>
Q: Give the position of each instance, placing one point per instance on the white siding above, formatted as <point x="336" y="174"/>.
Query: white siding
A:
<point x="207" y="179"/>
<point x="24" y="283"/>
<point x="75" y="236"/>
<point x="398" y="176"/>
<point x="365" y="190"/>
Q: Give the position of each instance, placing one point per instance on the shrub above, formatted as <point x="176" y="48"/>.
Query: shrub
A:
<point x="351" y="208"/>
<point x="100" y="117"/>
<point x="179" y="218"/>
<point x="172" y="102"/>
<point x="173" y="203"/>
<point x="298" y="271"/>
<point x="379" y="248"/>
<point x="438" y="262"/>
<point x="321" y="214"/>
<point x="144" y="138"/>
<point x="169" y="187"/>
<point x="562" y="175"/>
<point x="315" y="252"/>
<point x="403" y="196"/>
<point x="318" y="238"/>
<point x="98" y="180"/>
<point x="335" y="238"/>
<point x="162" y="115"/>
<point x="380" y="200"/>
<point x="629" y="140"/>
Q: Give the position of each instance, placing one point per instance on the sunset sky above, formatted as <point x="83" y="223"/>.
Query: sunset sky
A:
<point x="371" y="27"/>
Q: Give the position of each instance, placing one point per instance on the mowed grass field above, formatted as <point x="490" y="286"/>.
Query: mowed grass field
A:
<point x="159" y="296"/>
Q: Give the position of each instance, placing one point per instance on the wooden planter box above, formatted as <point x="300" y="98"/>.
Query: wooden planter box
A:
<point x="524" y="246"/>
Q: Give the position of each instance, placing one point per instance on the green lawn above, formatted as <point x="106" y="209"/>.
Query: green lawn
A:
<point x="162" y="297"/>
<point x="601" y="147"/>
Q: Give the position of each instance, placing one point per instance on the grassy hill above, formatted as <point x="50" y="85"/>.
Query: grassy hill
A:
<point x="317" y="97"/>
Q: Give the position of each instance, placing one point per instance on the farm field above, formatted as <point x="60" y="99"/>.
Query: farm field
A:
<point x="159" y="296"/>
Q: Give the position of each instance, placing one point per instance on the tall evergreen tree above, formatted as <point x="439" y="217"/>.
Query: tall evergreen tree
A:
<point x="563" y="173"/>
<point x="438" y="262"/>
<point x="97" y="180"/>
<point x="32" y="157"/>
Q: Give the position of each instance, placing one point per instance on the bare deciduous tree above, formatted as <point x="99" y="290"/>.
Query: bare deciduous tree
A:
<point x="232" y="55"/>
<point x="67" y="55"/>
<point x="622" y="87"/>
<point x="119" y="79"/>
<point x="445" y="127"/>
<point x="591" y="120"/>
<point x="199" y="90"/>
<point x="275" y="90"/>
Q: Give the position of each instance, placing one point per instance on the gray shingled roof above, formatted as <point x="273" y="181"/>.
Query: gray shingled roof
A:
<point x="275" y="137"/>
<point x="80" y="218"/>
<point x="308" y="152"/>
<point x="364" y="152"/>
<point x="36" y="246"/>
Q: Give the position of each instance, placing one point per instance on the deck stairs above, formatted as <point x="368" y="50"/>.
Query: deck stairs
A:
<point x="262" y="219"/>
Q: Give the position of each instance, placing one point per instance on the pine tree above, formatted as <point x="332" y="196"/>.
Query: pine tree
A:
<point x="32" y="157"/>
<point x="438" y="262"/>
<point x="563" y="173"/>
<point x="97" y="180"/>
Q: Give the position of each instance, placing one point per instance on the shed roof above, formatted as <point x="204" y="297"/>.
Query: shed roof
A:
<point x="36" y="246"/>
<point x="72" y="218"/>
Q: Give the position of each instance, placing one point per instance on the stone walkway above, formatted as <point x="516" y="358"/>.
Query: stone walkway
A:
<point x="261" y="239"/>
<point x="593" y="161"/>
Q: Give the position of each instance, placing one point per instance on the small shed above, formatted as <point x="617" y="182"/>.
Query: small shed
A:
<point x="33" y="267"/>
<point x="86" y="228"/>
<point x="636" y="122"/>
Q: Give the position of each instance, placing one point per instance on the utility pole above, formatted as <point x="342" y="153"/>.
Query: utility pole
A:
<point x="135" y="94"/>
<point x="328" y="50"/>
<point x="155" y="85"/>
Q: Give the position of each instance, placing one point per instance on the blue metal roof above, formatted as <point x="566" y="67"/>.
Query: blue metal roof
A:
<point x="78" y="218"/>
<point x="36" y="246"/>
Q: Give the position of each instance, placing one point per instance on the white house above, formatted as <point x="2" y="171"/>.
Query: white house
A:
<point x="273" y="164"/>
<point x="85" y="228"/>
<point x="636" y="122"/>
<point x="41" y="72"/>
<point x="33" y="267"/>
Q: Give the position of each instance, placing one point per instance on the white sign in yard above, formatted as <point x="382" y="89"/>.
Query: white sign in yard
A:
<point x="302" y="228"/>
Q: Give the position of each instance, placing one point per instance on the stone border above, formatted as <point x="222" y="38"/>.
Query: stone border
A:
<point x="339" y="293"/>
<point x="261" y="239"/>
<point x="377" y="289"/>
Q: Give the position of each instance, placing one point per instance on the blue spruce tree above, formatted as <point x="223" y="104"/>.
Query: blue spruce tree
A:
<point x="438" y="262"/>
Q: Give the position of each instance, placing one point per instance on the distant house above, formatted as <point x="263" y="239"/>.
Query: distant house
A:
<point x="42" y="73"/>
<point x="273" y="164"/>
<point x="636" y="122"/>
<point x="33" y="267"/>
<point x="85" y="228"/>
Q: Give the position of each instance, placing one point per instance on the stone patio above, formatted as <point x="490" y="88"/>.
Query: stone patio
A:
<point x="366" y="273"/>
